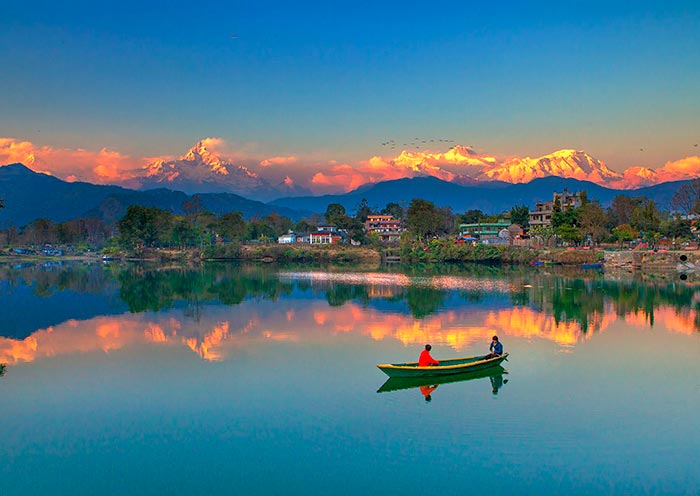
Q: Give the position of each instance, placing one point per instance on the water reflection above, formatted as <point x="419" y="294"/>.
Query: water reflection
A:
<point x="215" y="310"/>
<point x="427" y="386"/>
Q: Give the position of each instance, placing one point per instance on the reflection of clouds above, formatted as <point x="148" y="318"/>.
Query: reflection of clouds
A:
<point x="256" y="324"/>
<point x="678" y="321"/>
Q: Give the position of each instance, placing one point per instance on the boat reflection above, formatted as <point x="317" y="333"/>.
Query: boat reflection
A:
<point x="427" y="385"/>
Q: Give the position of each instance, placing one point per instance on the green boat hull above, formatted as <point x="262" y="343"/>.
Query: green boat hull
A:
<point x="398" y="383"/>
<point x="447" y="367"/>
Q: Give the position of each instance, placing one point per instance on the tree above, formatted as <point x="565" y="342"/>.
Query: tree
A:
<point x="470" y="217"/>
<point x="280" y="224"/>
<point x="592" y="220"/>
<point x="645" y="217"/>
<point x="144" y="226"/>
<point x="687" y="198"/>
<point x="677" y="229"/>
<point x="520" y="215"/>
<point x="363" y="211"/>
<point x="621" y="209"/>
<point x="625" y="233"/>
<point x="335" y="213"/>
<point x="569" y="233"/>
<point x="556" y="213"/>
<point x="423" y="219"/>
<point x="231" y="226"/>
<point x="261" y="229"/>
<point x="304" y="226"/>
<point x="393" y="209"/>
<point x="545" y="233"/>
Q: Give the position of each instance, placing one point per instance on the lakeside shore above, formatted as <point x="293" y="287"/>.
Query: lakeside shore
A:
<point x="430" y="253"/>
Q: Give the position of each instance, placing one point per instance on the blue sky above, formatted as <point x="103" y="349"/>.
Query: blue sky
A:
<point x="335" y="79"/>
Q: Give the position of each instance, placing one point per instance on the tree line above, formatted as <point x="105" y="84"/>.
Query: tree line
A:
<point x="628" y="218"/>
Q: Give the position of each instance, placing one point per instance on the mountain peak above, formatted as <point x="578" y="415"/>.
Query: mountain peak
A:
<point x="199" y="153"/>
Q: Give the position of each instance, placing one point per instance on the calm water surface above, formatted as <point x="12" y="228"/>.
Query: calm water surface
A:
<point x="126" y="379"/>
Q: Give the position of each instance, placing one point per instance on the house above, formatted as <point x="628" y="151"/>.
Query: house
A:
<point x="324" y="238"/>
<point x="542" y="215"/>
<point x="385" y="226"/>
<point x="482" y="230"/>
<point x="288" y="238"/>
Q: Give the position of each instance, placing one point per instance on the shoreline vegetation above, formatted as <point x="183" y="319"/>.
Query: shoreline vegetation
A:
<point x="436" y="251"/>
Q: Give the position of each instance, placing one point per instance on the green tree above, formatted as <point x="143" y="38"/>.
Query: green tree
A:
<point x="304" y="225"/>
<point x="423" y="218"/>
<point x="677" y="228"/>
<point x="363" y="211"/>
<point x="557" y="213"/>
<point x="544" y="233"/>
<point x="335" y="213"/>
<point x="646" y="217"/>
<point x="624" y="233"/>
<point x="395" y="210"/>
<point x="520" y="215"/>
<point x="470" y="217"/>
<point x="144" y="226"/>
<point x="231" y="226"/>
<point x="569" y="233"/>
<point x="592" y="221"/>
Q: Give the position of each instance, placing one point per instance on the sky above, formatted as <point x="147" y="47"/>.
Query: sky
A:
<point x="329" y="82"/>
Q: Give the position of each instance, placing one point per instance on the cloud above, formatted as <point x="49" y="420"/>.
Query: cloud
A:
<point x="279" y="161"/>
<point x="456" y="162"/>
<point x="73" y="164"/>
<point x="685" y="168"/>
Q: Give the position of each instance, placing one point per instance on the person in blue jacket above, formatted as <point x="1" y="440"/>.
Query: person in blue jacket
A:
<point x="496" y="348"/>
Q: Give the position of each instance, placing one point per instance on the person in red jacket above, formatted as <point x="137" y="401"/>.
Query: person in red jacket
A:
<point x="425" y="359"/>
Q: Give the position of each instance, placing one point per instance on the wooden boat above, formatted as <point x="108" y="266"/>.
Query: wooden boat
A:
<point x="446" y="367"/>
<point x="397" y="383"/>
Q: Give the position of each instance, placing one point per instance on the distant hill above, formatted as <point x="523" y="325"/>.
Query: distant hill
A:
<point x="490" y="197"/>
<point x="30" y="195"/>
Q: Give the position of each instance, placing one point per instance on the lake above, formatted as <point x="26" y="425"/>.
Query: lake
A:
<point x="229" y="379"/>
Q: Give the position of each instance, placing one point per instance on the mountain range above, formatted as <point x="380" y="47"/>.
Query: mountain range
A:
<point x="201" y="170"/>
<point x="30" y="195"/>
<point x="490" y="197"/>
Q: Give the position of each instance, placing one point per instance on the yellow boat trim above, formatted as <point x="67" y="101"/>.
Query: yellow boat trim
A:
<point x="409" y="365"/>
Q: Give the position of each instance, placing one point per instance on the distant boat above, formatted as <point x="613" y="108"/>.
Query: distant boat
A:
<point x="447" y="367"/>
<point x="591" y="266"/>
<point x="397" y="383"/>
<point x="110" y="259"/>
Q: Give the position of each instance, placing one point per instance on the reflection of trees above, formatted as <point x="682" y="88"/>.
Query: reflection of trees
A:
<point x="48" y="278"/>
<point x="339" y="294"/>
<point x="155" y="289"/>
<point x="424" y="300"/>
<point x="567" y="295"/>
<point x="571" y="299"/>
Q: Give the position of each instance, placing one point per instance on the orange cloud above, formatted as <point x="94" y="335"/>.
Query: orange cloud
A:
<point x="279" y="161"/>
<point x="101" y="167"/>
<point x="458" y="161"/>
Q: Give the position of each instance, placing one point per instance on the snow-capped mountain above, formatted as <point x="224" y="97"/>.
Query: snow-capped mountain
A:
<point x="202" y="171"/>
<point x="574" y="164"/>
